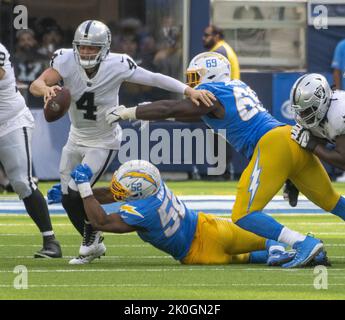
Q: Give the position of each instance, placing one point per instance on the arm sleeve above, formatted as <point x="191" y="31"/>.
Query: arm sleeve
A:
<point x="148" y="78"/>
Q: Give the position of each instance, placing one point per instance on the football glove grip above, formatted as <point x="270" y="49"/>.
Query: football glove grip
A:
<point x="303" y="137"/>
<point x="81" y="176"/>
<point x="118" y="113"/>
<point x="54" y="194"/>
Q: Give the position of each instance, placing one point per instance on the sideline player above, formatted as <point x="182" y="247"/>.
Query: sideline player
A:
<point x="160" y="218"/>
<point x="94" y="76"/>
<point x="274" y="157"/>
<point x="16" y="125"/>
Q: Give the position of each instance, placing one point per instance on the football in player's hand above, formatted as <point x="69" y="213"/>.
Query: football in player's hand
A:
<point x="58" y="105"/>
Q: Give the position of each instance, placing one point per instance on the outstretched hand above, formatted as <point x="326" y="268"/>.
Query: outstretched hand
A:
<point x="197" y="96"/>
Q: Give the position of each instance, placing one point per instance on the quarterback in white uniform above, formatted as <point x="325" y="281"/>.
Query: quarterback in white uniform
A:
<point x="94" y="76"/>
<point x="320" y="117"/>
<point x="16" y="125"/>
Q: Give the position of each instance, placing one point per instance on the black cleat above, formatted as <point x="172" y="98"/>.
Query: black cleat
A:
<point x="51" y="249"/>
<point x="290" y="193"/>
<point x="320" y="259"/>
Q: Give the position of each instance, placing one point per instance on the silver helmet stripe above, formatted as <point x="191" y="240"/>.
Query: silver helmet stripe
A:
<point x="87" y="28"/>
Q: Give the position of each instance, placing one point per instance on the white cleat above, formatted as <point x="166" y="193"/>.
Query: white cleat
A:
<point x="91" y="245"/>
<point x="98" y="251"/>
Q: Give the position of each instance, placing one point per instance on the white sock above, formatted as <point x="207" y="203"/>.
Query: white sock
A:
<point x="290" y="237"/>
<point x="47" y="233"/>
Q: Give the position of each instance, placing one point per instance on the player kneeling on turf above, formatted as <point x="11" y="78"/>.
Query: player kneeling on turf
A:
<point x="164" y="221"/>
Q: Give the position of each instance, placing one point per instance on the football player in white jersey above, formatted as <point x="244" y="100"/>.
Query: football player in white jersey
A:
<point x="320" y="117"/>
<point x="94" y="76"/>
<point x="16" y="125"/>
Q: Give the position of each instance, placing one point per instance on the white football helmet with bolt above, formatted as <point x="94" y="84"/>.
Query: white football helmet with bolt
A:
<point x="134" y="180"/>
<point x="208" y="67"/>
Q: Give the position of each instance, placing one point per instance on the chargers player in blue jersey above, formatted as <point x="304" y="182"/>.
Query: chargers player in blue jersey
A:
<point x="274" y="157"/>
<point x="161" y="219"/>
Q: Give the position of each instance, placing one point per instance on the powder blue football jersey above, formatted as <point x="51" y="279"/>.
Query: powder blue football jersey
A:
<point x="163" y="221"/>
<point x="245" y="120"/>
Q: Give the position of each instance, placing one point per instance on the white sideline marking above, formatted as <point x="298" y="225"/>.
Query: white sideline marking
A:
<point x="130" y="285"/>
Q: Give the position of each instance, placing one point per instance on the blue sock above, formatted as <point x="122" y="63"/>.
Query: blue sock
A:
<point x="261" y="224"/>
<point x="258" y="256"/>
<point x="339" y="209"/>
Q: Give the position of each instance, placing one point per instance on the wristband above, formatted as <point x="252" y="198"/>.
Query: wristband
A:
<point x="85" y="189"/>
<point x="129" y="113"/>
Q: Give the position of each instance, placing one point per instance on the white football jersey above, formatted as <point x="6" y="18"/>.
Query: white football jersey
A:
<point x="13" y="110"/>
<point x="11" y="101"/>
<point x="92" y="98"/>
<point x="334" y="124"/>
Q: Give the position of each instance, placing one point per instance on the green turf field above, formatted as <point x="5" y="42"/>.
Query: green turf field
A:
<point x="135" y="270"/>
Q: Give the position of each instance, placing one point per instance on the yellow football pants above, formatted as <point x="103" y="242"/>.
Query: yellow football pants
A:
<point x="277" y="158"/>
<point x="219" y="241"/>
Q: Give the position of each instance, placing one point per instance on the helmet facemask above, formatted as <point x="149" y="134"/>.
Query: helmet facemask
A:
<point x="120" y="193"/>
<point x="95" y="34"/>
<point x="310" y="99"/>
<point x="91" y="61"/>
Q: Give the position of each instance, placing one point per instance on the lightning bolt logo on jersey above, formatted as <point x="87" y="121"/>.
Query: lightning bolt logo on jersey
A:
<point x="245" y="120"/>
<point x="254" y="180"/>
<point x="163" y="220"/>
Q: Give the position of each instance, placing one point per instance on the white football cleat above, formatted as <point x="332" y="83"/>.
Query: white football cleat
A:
<point x="90" y="246"/>
<point x="98" y="251"/>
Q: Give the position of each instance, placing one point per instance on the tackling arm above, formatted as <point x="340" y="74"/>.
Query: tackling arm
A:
<point x="164" y="109"/>
<point x="101" y="221"/>
<point x="145" y="77"/>
<point x="103" y="195"/>
<point x="335" y="157"/>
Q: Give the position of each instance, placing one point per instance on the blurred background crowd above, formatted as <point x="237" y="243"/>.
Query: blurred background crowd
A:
<point x="269" y="44"/>
<point x="35" y="46"/>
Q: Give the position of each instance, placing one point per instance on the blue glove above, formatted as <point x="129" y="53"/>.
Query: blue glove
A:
<point x="82" y="173"/>
<point x="54" y="194"/>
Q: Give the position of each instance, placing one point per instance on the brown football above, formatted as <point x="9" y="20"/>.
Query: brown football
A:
<point x="58" y="105"/>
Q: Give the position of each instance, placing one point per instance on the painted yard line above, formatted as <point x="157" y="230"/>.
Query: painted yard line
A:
<point x="305" y="272"/>
<point x="24" y="224"/>
<point x="103" y="258"/>
<point x="129" y="257"/>
<point x="76" y="246"/>
<point x="64" y="234"/>
<point x="64" y="215"/>
<point x="176" y="285"/>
